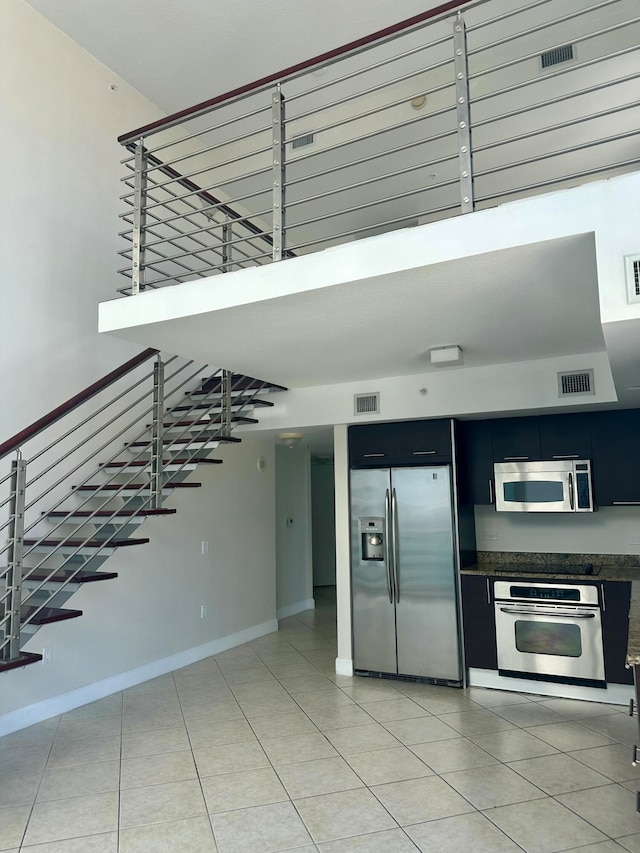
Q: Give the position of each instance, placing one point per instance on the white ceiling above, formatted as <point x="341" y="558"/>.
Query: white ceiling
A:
<point x="181" y="52"/>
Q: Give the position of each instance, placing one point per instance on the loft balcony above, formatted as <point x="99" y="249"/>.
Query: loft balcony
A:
<point x="467" y="176"/>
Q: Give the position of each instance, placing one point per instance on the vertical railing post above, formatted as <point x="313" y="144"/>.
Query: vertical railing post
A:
<point x="157" y="435"/>
<point x="227" y="237"/>
<point x="463" y="114"/>
<point x="139" y="217"/>
<point x="15" y="555"/>
<point x="278" y="171"/>
<point x="225" y="418"/>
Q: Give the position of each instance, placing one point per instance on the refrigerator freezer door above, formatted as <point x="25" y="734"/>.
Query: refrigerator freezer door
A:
<point x="426" y="613"/>
<point x="374" y="628"/>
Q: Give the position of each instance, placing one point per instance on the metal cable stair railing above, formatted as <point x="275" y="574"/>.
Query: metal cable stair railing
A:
<point x="461" y="108"/>
<point x="59" y="535"/>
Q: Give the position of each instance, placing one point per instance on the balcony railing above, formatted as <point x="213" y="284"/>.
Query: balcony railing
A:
<point x="462" y="108"/>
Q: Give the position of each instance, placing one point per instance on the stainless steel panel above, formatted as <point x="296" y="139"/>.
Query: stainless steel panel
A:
<point x="374" y="627"/>
<point x="427" y="613"/>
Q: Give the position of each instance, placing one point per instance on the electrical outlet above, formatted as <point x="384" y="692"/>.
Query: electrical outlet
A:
<point x="634" y="540"/>
<point x="492" y="535"/>
<point x="203" y="611"/>
<point x="47" y="654"/>
<point x="205" y="547"/>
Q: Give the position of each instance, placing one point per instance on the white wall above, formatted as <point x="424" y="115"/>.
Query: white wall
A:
<point x="466" y="391"/>
<point x="59" y="214"/>
<point x="151" y="612"/>
<point x="344" y="661"/>
<point x="323" y="521"/>
<point x="58" y="226"/>
<point x="607" y="531"/>
<point x="294" y="579"/>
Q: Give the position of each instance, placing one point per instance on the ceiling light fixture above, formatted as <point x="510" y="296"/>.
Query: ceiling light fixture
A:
<point x="446" y="356"/>
<point x="290" y="439"/>
<point x="418" y="102"/>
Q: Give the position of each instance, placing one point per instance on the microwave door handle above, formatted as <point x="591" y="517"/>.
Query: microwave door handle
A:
<point x="571" y="495"/>
<point x="394" y="532"/>
<point x="387" y="551"/>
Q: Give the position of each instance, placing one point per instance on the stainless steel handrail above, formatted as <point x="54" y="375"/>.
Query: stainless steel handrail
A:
<point x="107" y="528"/>
<point x="462" y="82"/>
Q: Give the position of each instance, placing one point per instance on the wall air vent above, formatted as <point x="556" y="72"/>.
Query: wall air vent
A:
<point x="556" y="55"/>
<point x="575" y="383"/>
<point x="302" y="141"/>
<point x="366" y="404"/>
<point x="632" y="270"/>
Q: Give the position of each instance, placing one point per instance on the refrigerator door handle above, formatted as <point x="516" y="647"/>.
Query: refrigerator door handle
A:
<point x="387" y="550"/>
<point x="394" y="532"/>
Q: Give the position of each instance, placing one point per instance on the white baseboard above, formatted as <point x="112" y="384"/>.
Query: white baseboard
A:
<point x="344" y="666"/>
<point x="39" y="711"/>
<point x="613" y="694"/>
<point x="298" y="607"/>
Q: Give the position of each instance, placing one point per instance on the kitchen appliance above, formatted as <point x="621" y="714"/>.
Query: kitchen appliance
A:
<point x="549" y="632"/>
<point x="559" y="485"/>
<point x="404" y="573"/>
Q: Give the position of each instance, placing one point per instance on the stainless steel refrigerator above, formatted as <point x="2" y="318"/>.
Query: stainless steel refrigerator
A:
<point x="404" y="573"/>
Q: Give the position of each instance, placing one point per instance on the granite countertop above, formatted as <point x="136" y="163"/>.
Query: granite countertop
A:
<point x="607" y="567"/>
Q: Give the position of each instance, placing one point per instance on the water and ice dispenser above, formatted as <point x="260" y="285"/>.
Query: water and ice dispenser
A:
<point x="372" y="538"/>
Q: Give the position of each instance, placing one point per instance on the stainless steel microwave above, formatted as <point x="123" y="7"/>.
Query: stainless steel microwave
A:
<point x="556" y="486"/>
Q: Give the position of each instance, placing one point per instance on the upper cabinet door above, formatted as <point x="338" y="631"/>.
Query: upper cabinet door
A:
<point x="373" y="445"/>
<point x="423" y="442"/>
<point x="565" y="436"/>
<point x="478" y="460"/>
<point x="615" y="439"/>
<point x="516" y="440"/>
<point x="403" y="443"/>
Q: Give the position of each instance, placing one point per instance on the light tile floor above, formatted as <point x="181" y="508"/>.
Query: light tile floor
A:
<point x="264" y="749"/>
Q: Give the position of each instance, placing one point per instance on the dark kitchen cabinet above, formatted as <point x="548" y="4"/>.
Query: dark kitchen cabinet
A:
<point x="479" y="622"/>
<point x="476" y="439"/>
<point x="373" y="444"/>
<point x="616" y="600"/>
<point x="565" y="436"/>
<point x="402" y="443"/>
<point x="516" y="439"/>
<point x="615" y="438"/>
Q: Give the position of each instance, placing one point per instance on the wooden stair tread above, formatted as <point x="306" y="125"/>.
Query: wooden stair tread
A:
<point x="211" y="423"/>
<point x="89" y="543"/>
<point x="24" y="660"/>
<point x="117" y="487"/>
<point x="83" y="576"/>
<point x="47" y="615"/>
<point x="145" y="463"/>
<point x="104" y="513"/>
<point x="237" y="401"/>
<point x="239" y="382"/>
<point x="208" y="422"/>
<point x="230" y="439"/>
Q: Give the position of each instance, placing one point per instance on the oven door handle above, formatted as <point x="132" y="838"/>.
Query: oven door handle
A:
<point x="571" y="614"/>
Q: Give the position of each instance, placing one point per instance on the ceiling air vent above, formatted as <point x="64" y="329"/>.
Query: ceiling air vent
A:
<point x="302" y="141"/>
<point x="366" y="404"/>
<point x="556" y="55"/>
<point x="632" y="269"/>
<point x="575" y="383"/>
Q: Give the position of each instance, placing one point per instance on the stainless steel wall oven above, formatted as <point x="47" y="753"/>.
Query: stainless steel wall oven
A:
<point x="549" y="632"/>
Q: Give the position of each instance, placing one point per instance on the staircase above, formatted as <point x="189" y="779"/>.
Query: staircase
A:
<point x="105" y="462"/>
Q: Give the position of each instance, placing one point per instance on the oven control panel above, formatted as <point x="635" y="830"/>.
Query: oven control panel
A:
<point x="574" y="594"/>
